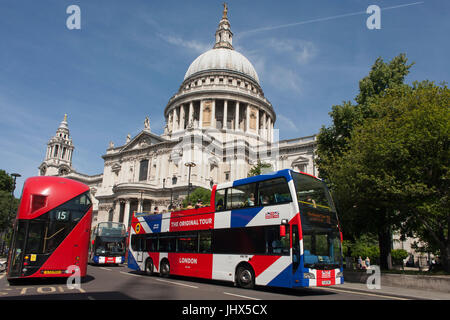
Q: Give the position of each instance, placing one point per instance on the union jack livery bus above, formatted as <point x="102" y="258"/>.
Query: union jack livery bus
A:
<point x="108" y="243"/>
<point x="51" y="230"/>
<point x="278" y="229"/>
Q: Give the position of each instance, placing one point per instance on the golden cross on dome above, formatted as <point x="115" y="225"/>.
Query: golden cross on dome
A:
<point x="225" y="10"/>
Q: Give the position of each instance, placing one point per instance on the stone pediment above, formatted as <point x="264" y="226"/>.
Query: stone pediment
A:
<point x="300" y="160"/>
<point x="142" y="140"/>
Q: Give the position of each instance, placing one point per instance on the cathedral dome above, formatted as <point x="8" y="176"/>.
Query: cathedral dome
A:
<point x="222" y="59"/>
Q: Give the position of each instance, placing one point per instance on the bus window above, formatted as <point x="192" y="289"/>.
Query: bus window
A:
<point x="35" y="237"/>
<point x="134" y="242"/>
<point x="242" y="196"/>
<point x="274" y="191"/>
<point x="204" y="241"/>
<point x="151" y="242"/>
<point x="187" y="243"/>
<point x="276" y="244"/>
<point x="220" y="199"/>
<point x="17" y="248"/>
<point x="54" y="234"/>
<point x="167" y="243"/>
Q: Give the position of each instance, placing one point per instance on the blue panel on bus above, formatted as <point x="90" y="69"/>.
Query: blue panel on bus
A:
<point x="282" y="173"/>
<point x="241" y="217"/>
<point x="154" y="222"/>
<point x="283" y="279"/>
<point x="132" y="264"/>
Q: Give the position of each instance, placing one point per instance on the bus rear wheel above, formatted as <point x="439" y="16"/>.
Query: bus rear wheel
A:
<point x="245" y="277"/>
<point x="165" y="269"/>
<point x="149" y="267"/>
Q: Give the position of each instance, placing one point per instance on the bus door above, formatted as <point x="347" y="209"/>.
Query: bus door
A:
<point x="295" y="248"/>
<point x="17" y="250"/>
<point x="140" y="245"/>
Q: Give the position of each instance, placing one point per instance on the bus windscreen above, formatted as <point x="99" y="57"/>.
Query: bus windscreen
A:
<point x="321" y="238"/>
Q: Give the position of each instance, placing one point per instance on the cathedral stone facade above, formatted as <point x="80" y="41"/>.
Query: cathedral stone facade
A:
<point x="218" y="125"/>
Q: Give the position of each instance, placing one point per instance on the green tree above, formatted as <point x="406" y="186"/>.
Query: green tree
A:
<point x="258" y="168"/>
<point x="333" y="141"/>
<point x="199" y="193"/>
<point x="398" y="255"/>
<point x="6" y="182"/>
<point x="359" y="212"/>
<point x="395" y="172"/>
<point x="6" y="200"/>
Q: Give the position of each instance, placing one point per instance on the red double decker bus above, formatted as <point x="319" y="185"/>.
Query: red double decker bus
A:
<point x="51" y="230"/>
<point x="278" y="229"/>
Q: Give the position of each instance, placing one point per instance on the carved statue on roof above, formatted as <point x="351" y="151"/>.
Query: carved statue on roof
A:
<point x="147" y="123"/>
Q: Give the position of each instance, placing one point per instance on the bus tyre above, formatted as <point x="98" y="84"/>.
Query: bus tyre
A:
<point x="165" y="269"/>
<point x="149" y="267"/>
<point x="245" y="278"/>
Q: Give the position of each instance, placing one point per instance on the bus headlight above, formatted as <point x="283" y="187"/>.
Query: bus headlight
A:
<point x="309" y="275"/>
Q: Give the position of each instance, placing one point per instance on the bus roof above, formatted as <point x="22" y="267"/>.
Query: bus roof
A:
<point x="286" y="173"/>
<point x="41" y="194"/>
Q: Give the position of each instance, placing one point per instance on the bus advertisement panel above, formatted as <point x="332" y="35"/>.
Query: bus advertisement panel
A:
<point x="278" y="229"/>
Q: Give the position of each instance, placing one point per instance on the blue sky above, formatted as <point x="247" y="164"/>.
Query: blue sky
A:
<point x="130" y="57"/>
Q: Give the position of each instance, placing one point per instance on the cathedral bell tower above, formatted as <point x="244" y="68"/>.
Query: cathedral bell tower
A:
<point x="58" y="158"/>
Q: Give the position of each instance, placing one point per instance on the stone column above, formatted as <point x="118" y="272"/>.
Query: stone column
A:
<point x="117" y="209"/>
<point x="264" y="131"/>
<point x="257" y="121"/>
<point x="200" y="120"/>
<point x="236" y="120"/>
<point x="270" y="130"/>
<point x="191" y="112"/>
<point x="140" y="204"/>
<point x="182" y="118"/>
<point x="225" y="113"/>
<point x="126" y="215"/>
<point x="247" y="117"/>
<point x="174" y="119"/>
<point x="213" y="114"/>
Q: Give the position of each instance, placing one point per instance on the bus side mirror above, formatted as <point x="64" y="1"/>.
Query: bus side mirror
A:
<point x="282" y="230"/>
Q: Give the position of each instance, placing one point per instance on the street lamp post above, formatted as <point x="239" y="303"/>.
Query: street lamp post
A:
<point x="190" y="165"/>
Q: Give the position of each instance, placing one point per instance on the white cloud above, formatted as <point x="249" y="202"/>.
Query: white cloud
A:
<point x="284" y="79"/>
<point x="278" y="60"/>
<point x="300" y="51"/>
<point x="285" y="123"/>
<point x="194" y="45"/>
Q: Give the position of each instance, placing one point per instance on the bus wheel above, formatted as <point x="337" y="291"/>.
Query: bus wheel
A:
<point x="149" y="267"/>
<point x="245" y="278"/>
<point x="165" y="269"/>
